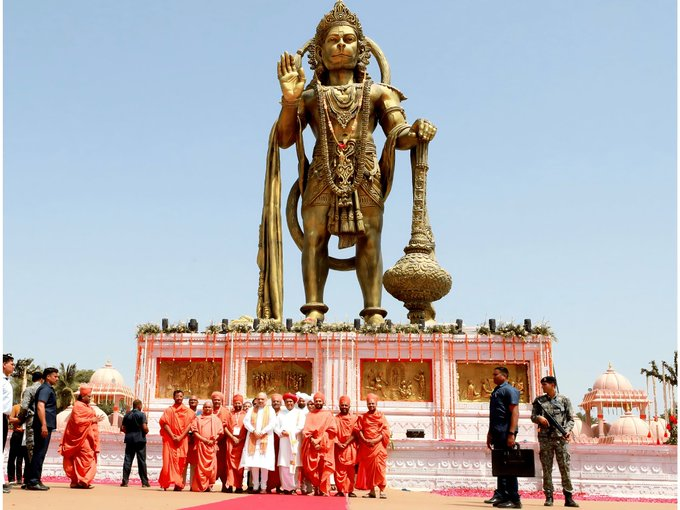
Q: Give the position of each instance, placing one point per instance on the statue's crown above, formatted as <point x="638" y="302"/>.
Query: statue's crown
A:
<point x="339" y="15"/>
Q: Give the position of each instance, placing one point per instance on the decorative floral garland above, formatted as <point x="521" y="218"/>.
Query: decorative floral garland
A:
<point x="245" y="325"/>
<point x="512" y="330"/>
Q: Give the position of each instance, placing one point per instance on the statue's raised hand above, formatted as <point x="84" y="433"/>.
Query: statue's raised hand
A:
<point x="291" y="77"/>
<point x="423" y="130"/>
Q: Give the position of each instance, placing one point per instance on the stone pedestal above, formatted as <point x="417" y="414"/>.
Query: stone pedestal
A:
<point x="439" y="383"/>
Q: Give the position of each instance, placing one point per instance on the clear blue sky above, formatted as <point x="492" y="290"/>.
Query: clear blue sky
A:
<point x="134" y="156"/>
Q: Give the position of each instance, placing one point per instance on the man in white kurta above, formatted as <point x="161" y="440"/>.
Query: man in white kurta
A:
<point x="288" y="429"/>
<point x="258" y="452"/>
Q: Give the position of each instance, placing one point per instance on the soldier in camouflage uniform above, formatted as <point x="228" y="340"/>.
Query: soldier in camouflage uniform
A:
<point x="27" y="413"/>
<point x="551" y="441"/>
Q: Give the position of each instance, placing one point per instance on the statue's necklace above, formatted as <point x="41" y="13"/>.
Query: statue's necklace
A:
<point x="343" y="101"/>
<point x="363" y="113"/>
<point x="326" y="98"/>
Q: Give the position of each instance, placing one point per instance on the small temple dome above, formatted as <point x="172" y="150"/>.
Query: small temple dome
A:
<point x="581" y="429"/>
<point x="629" y="426"/>
<point x="629" y="429"/>
<point x="658" y="430"/>
<point x="612" y="380"/>
<point x="108" y="385"/>
<point x="595" y="429"/>
<point x="107" y="376"/>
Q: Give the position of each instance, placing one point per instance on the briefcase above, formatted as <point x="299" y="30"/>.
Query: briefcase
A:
<point x="513" y="462"/>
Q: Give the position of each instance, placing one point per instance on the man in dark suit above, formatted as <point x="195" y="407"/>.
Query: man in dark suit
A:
<point x="44" y="422"/>
<point x="503" y="419"/>
<point x="135" y="428"/>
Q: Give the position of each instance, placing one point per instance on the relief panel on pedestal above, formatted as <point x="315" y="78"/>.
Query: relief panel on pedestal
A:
<point x="475" y="382"/>
<point x="198" y="378"/>
<point x="278" y="377"/>
<point x="394" y="380"/>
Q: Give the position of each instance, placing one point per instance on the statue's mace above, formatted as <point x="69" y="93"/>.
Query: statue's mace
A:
<point x="417" y="279"/>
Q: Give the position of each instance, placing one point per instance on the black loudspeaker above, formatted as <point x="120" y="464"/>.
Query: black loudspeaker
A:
<point x="527" y="325"/>
<point x="492" y="325"/>
<point x="164" y="324"/>
<point x="415" y="433"/>
<point x="193" y="325"/>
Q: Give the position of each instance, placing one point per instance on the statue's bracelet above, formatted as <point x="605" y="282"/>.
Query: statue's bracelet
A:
<point x="285" y="102"/>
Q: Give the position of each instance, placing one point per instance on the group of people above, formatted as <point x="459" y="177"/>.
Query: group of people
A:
<point x="33" y="421"/>
<point x="288" y="444"/>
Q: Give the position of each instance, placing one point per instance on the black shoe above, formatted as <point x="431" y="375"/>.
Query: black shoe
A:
<point x="23" y="486"/>
<point x="569" y="501"/>
<point x="146" y="485"/>
<point x="509" y="504"/>
<point x="37" y="487"/>
<point x="494" y="499"/>
<point x="548" y="501"/>
<point x="239" y="490"/>
<point x="352" y="495"/>
<point x="5" y="488"/>
<point x="500" y="501"/>
<point x="123" y="484"/>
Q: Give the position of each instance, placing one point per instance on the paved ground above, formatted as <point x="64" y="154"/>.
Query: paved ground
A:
<point x="104" y="497"/>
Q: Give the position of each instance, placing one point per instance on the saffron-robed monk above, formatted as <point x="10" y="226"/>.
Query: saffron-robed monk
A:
<point x="207" y="429"/>
<point x="374" y="434"/>
<point x="175" y="425"/>
<point x="345" y="449"/>
<point x="80" y="443"/>
<point x="318" y="458"/>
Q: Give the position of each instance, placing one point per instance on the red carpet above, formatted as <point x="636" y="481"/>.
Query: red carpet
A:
<point x="275" y="502"/>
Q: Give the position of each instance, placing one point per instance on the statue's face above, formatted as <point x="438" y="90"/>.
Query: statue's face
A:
<point x="340" y="48"/>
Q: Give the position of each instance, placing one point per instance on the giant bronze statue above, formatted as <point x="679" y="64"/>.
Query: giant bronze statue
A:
<point x="344" y="187"/>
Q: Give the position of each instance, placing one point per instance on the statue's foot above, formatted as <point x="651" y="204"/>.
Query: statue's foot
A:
<point x="314" y="312"/>
<point x="373" y="315"/>
<point x="374" y="320"/>
<point x="314" y="317"/>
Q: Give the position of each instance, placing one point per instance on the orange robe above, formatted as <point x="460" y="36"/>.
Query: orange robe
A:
<point x="234" y="451"/>
<point x="80" y="445"/>
<point x="372" y="460"/>
<point x="178" y="418"/>
<point x="345" y="458"/>
<point x="224" y="415"/>
<point x="205" y="455"/>
<point x="319" y="465"/>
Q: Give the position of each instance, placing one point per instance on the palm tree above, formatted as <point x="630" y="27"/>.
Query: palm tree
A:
<point x="67" y="377"/>
<point x="669" y="375"/>
<point x="22" y="367"/>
